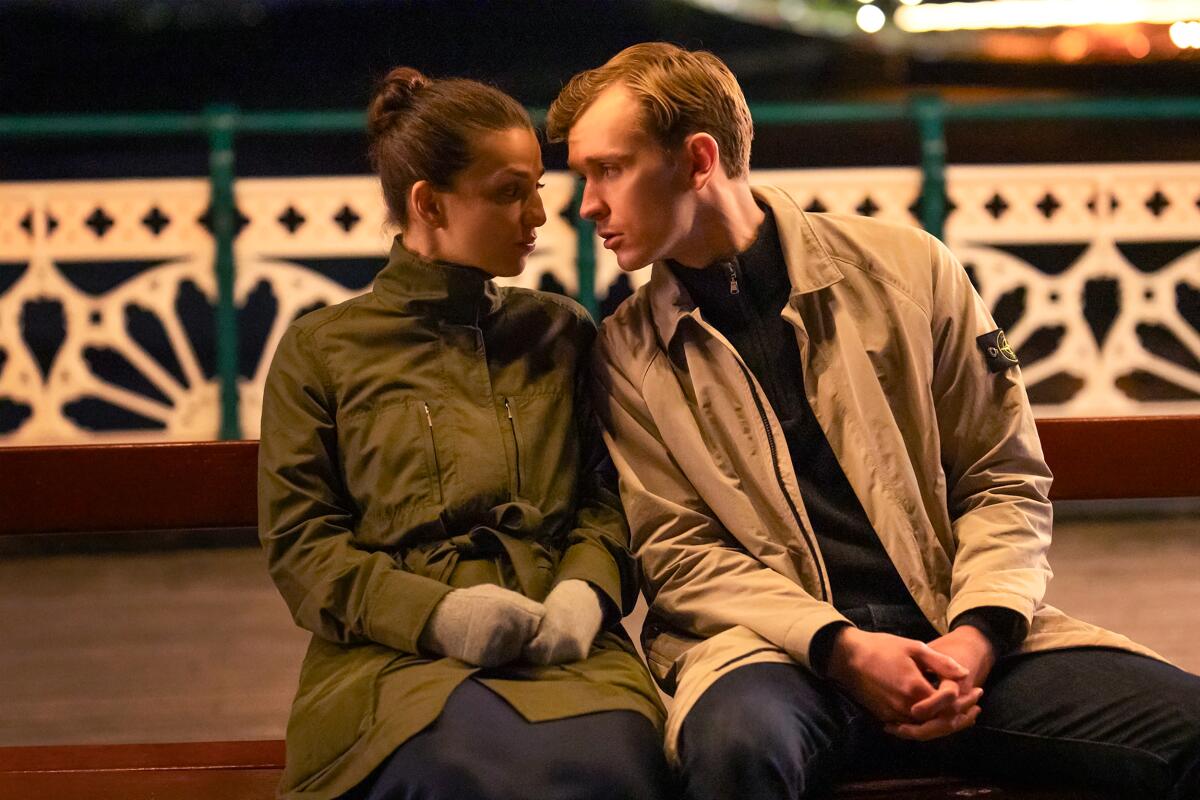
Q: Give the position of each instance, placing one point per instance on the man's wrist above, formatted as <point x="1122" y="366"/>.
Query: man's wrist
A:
<point x="820" y="649"/>
<point x="1004" y="628"/>
<point x="843" y="640"/>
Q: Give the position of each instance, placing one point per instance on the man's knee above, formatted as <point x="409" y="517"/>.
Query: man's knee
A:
<point x="1184" y="763"/>
<point x="1108" y="718"/>
<point x="761" y="730"/>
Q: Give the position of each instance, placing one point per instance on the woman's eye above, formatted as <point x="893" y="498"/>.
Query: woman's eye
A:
<point x="541" y="186"/>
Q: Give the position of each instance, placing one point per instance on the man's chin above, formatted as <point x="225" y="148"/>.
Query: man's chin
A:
<point x="632" y="262"/>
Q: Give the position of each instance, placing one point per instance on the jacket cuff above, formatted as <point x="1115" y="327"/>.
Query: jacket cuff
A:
<point x="1004" y="628"/>
<point x="400" y="607"/>
<point x="592" y="563"/>
<point x="965" y="601"/>
<point x="799" y="638"/>
<point x="822" y="648"/>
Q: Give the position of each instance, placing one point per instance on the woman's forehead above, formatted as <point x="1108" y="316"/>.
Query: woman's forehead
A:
<point x="515" y="151"/>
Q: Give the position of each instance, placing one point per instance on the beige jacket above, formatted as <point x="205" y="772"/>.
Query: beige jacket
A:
<point x="942" y="452"/>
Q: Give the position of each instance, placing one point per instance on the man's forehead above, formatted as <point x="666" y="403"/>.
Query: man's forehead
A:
<point x="608" y="128"/>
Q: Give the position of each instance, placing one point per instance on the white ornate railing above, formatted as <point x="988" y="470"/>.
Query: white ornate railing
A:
<point x="107" y="287"/>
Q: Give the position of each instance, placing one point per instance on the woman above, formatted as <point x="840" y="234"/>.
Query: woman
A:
<point x="429" y="498"/>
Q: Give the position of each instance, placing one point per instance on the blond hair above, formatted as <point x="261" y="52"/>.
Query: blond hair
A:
<point x="680" y="92"/>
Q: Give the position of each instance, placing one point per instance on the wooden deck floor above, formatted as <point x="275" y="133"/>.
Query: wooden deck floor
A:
<point x="189" y="645"/>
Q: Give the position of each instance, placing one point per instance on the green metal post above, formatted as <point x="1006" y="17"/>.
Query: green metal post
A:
<point x="931" y="125"/>
<point x="585" y="255"/>
<point x="221" y="122"/>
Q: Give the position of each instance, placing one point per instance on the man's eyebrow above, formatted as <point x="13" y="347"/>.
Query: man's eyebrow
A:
<point x="597" y="159"/>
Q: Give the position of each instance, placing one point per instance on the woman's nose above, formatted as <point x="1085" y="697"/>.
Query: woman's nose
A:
<point x="535" y="211"/>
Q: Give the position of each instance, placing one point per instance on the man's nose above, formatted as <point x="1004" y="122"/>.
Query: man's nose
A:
<point x="591" y="206"/>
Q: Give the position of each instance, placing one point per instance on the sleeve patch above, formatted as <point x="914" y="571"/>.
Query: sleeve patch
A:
<point x="997" y="352"/>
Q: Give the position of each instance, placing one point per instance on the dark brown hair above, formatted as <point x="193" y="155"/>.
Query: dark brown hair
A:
<point x="680" y="92"/>
<point x="422" y="129"/>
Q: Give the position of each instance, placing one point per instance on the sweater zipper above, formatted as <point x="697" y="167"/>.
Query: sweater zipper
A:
<point x="512" y="426"/>
<point x="733" y="283"/>
<point x="808" y="539"/>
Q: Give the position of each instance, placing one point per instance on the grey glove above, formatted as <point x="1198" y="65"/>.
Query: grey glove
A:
<point x="485" y="625"/>
<point x="572" y="620"/>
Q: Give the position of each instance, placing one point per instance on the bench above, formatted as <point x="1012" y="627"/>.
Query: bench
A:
<point x="211" y="485"/>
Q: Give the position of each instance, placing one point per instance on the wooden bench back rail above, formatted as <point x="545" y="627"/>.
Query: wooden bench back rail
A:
<point x="144" y="487"/>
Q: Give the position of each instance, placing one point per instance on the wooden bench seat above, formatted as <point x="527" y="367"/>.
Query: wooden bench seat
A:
<point x="192" y="486"/>
<point x="250" y="771"/>
<point x="176" y="771"/>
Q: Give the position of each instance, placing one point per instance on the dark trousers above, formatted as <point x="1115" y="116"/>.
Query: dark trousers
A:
<point x="1087" y="718"/>
<point x="482" y="749"/>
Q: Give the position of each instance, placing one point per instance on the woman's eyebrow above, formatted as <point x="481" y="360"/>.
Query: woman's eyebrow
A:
<point x="520" y="173"/>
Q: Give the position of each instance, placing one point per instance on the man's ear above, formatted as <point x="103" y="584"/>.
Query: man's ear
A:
<point x="704" y="157"/>
<point x="425" y="205"/>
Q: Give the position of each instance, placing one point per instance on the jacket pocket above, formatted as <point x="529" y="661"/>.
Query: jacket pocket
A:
<point x="433" y="468"/>
<point x="510" y="410"/>
<point x="394" y="457"/>
<point x="545" y="444"/>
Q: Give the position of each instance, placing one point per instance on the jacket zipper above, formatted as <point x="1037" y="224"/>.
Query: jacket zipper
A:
<point x="766" y="423"/>
<point x="512" y="426"/>
<point x="808" y="538"/>
<point x="437" y="468"/>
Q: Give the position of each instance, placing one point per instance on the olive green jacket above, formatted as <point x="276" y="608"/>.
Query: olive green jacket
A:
<point x="429" y="434"/>
<point x="939" y="445"/>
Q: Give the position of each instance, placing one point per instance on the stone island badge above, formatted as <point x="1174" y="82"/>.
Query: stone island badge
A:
<point x="997" y="351"/>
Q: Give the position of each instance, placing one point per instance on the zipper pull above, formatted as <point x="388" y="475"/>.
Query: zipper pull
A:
<point x="428" y="416"/>
<point x="733" y="284"/>
<point x="507" y="410"/>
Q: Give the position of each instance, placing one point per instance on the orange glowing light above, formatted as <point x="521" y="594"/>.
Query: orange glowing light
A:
<point x="1138" y="44"/>
<point x="1071" y="45"/>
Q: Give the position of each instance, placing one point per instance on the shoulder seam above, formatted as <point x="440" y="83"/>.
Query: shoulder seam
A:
<point x="553" y="298"/>
<point x="884" y="279"/>
<point x="322" y="367"/>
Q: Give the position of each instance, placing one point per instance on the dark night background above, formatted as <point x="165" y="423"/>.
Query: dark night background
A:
<point x="181" y="55"/>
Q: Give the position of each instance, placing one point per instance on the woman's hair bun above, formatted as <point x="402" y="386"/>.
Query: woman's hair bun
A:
<point x="395" y="95"/>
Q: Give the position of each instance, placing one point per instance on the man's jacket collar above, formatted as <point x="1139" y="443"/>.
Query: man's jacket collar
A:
<point x="809" y="266"/>
<point x="418" y="286"/>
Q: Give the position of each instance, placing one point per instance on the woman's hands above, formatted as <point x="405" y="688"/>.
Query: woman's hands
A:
<point x="488" y="625"/>
<point x="485" y="625"/>
<point x="919" y="691"/>
<point x="572" y="620"/>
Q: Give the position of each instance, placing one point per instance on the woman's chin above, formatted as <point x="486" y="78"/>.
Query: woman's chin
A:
<point x="509" y="270"/>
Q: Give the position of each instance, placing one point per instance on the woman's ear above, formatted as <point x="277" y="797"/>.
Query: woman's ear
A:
<point x="425" y="205"/>
<point x="704" y="157"/>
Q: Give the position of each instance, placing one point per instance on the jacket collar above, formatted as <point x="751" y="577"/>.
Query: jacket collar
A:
<point x="415" y="285"/>
<point x="809" y="266"/>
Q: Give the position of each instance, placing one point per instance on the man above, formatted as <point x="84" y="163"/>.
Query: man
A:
<point x="834" y="480"/>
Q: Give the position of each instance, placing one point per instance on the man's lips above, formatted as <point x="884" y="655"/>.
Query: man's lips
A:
<point x="609" y="239"/>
